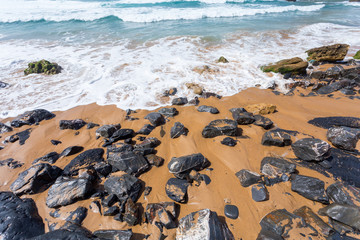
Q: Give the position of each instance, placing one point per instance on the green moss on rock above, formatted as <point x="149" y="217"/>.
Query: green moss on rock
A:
<point x="332" y="53"/>
<point x="222" y="60"/>
<point x="42" y="66"/>
<point x="357" y="55"/>
<point x="293" y="65"/>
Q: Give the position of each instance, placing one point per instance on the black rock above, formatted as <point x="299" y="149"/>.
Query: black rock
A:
<point x="111" y="211"/>
<point x="21" y="136"/>
<point x="109" y="200"/>
<point x="55" y="142"/>
<point x="19" y="218"/>
<point x="276" y="167"/>
<point x="77" y="216"/>
<point x="231" y="211"/>
<point x="182" y="166"/>
<point x="124" y="187"/>
<point x="163" y="214"/>
<point x="106" y="131"/>
<point x="146" y="129"/>
<point x="151" y="142"/>
<point x="210" y="94"/>
<point x="131" y="214"/>
<point x="221" y="127"/>
<point x="67" y="190"/>
<point x="71" y="151"/>
<point x="72" y="124"/>
<point x="328" y="122"/>
<point x="179" y="101"/>
<point x="310" y="188"/>
<point x="113" y="234"/>
<point x="242" y="117"/>
<point x="248" y="178"/>
<point x="347" y="214"/>
<point x="91" y="125"/>
<point x="170" y="92"/>
<point x="32" y="117"/>
<point x="202" y="223"/>
<point x="277" y="138"/>
<point x="311" y="149"/>
<point x="128" y="162"/>
<point x="11" y="163"/>
<point x="103" y="168"/>
<point x="155" y="119"/>
<point x="228" y="141"/>
<point x="84" y="160"/>
<point x="95" y="207"/>
<point x="122" y="134"/>
<point x="347" y="91"/>
<point x="208" y="109"/>
<point x="51" y="158"/>
<point x="154" y="160"/>
<point x="68" y="231"/>
<point x="178" y="129"/>
<point x="35" y="179"/>
<point x="5" y="128"/>
<point x="259" y="193"/>
<point x="263" y="122"/>
<point x="169" y="112"/>
<point x="342" y="193"/>
<point x="176" y="189"/>
<point x="269" y="235"/>
<point x="343" y="137"/>
<point x="3" y="84"/>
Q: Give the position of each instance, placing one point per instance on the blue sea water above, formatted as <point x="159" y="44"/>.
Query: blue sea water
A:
<point x="127" y="52"/>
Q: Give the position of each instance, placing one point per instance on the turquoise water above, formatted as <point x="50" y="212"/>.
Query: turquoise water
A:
<point x="114" y="51"/>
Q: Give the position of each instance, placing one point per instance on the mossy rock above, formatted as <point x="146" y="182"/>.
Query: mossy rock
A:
<point x="332" y="53"/>
<point x="357" y="55"/>
<point x="293" y="65"/>
<point x="43" y="66"/>
<point x="222" y="60"/>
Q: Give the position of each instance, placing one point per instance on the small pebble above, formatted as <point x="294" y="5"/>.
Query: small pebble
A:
<point x="231" y="211"/>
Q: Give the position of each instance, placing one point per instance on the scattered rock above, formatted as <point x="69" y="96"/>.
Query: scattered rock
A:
<point x="248" y="178"/>
<point x="349" y="215"/>
<point x="276" y="167"/>
<point x="163" y="214"/>
<point x="228" y="141"/>
<point x="182" y="166"/>
<point x="241" y="116"/>
<point x="179" y="101"/>
<point x="259" y="193"/>
<point x="95" y="207"/>
<point x="21" y="136"/>
<point x="103" y="168"/>
<point x="5" y="128"/>
<point x="155" y="118"/>
<point x="109" y="200"/>
<point x="113" y="234"/>
<point x="106" y="131"/>
<point x="311" y="149"/>
<point x="263" y="122"/>
<point x="146" y="129"/>
<point x="343" y="137"/>
<point x="67" y="190"/>
<point x="277" y="138"/>
<point x="231" y="211"/>
<point x="19" y="218"/>
<point x="91" y="125"/>
<point x="32" y="117"/>
<point x="11" y="163"/>
<point x="222" y="60"/>
<point x="195" y="88"/>
<point x="221" y="127"/>
<point x="310" y="188"/>
<point x="72" y="124"/>
<point x="170" y="92"/>
<point x="177" y="130"/>
<point x="51" y="158"/>
<point x="122" y="134"/>
<point x="168" y="112"/>
<point x="203" y="224"/>
<point x="150" y="142"/>
<point x="332" y="53"/>
<point x="43" y="66"/>
<point x="328" y="122"/>
<point x="176" y="189"/>
<point x="111" y="211"/>
<point x="128" y="162"/>
<point x="261" y="108"/>
<point x="55" y="142"/>
<point x="294" y="65"/>
<point x="124" y="187"/>
<point x="35" y="179"/>
<point x="154" y="160"/>
<point x="71" y="151"/>
<point x="342" y="193"/>
<point x="208" y="109"/>
<point x="77" y="216"/>
<point x="84" y="160"/>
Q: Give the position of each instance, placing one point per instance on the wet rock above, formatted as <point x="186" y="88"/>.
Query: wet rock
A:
<point x="179" y="101"/>
<point x="35" y="179"/>
<point x="196" y="88"/>
<point x="176" y="189"/>
<point x="72" y="124"/>
<point x="276" y="167"/>
<point x="3" y="84"/>
<point x="55" y="142"/>
<point x="146" y="129"/>
<point x="21" y="136"/>
<point x="222" y="60"/>
<point x="277" y="138"/>
<point x="310" y="188"/>
<point x="248" y="178"/>
<point x="294" y="65"/>
<point x="113" y="234"/>
<point x="332" y="87"/>
<point x="84" y="160"/>
<point x="103" y="168"/>
<point x="155" y="118"/>
<point x="32" y="117"/>
<point x="263" y="122"/>
<point x="311" y="149"/>
<point x="168" y="112"/>
<point x="77" y="216"/>
<point x="71" y="151"/>
<point x="51" y="158"/>
<point x="43" y="66"/>
<point x="349" y="215"/>
<point x="5" y="128"/>
<point x="106" y="131"/>
<point x="332" y="53"/>
<point x="163" y="214"/>
<point x="11" y="163"/>
<point x="208" y="109"/>
<point x="259" y="193"/>
<point x="342" y="193"/>
<point x="170" y="92"/>
<point x="203" y="224"/>
<point x="67" y="190"/>
<point x="124" y="187"/>
<point x="328" y="122"/>
<point x="177" y="130"/>
<point x="182" y="166"/>
<point x="231" y="211"/>
<point x="128" y="162"/>
<point x="228" y="141"/>
<point x="19" y="218"/>
<point x="210" y="94"/>
<point x="343" y="137"/>
<point x="221" y="127"/>
<point x="154" y="160"/>
<point x="261" y="108"/>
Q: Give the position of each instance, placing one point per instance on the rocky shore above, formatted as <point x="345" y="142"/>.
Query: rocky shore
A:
<point x="257" y="165"/>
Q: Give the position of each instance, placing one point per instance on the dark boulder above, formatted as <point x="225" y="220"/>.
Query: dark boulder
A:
<point x="163" y="214"/>
<point x="259" y="193"/>
<point x="276" y="167"/>
<point x="122" y="134"/>
<point x="155" y="118"/>
<point x="106" y="131"/>
<point x="169" y="112"/>
<point x="51" y="158"/>
<point x="277" y="138"/>
<point x="84" y="160"/>
<point x="35" y="179"/>
<point x="203" y="224"/>
<point x="332" y="53"/>
<point x="146" y="129"/>
<point x="128" y="162"/>
<point x="179" y="101"/>
<point x="71" y="151"/>
<point x="343" y="193"/>
<point x="113" y="234"/>
<point x="228" y="141"/>
<point x="182" y="166"/>
<point x="221" y="127"/>
<point x="208" y="109"/>
<point x="32" y="117"/>
<point x="67" y="190"/>
<point x="263" y="122"/>
<point x="248" y="178"/>
<point x="176" y="189"/>
<point x="311" y="149"/>
<point x="231" y="211"/>
<point x="103" y="169"/>
<point x="343" y="137"/>
<point x="5" y="128"/>
<point x="241" y="116"/>
<point x="72" y="124"/>
<point x="177" y="130"/>
<point x="310" y="188"/>
<point x="328" y="122"/>
<point x="347" y="214"/>
<point x="124" y="187"/>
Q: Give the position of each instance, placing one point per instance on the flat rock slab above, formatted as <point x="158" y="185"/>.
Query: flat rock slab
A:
<point x="176" y="189"/>
<point x="182" y="166"/>
<point x="124" y="187"/>
<point x="32" y="117"/>
<point x="221" y="127"/>
<point x="310" y="188"/>
<point x="128" y="162"/>
<point x="328" y="122"/>
<point x="84" y="160"/>
<point x="311" y="149"/>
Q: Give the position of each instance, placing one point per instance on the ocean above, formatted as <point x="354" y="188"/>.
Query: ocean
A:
<point x="128" y="52"/>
